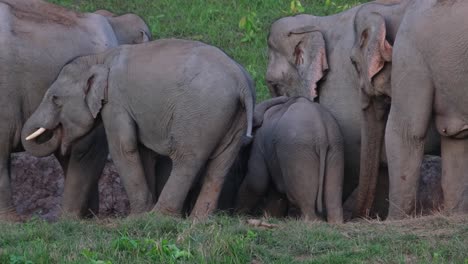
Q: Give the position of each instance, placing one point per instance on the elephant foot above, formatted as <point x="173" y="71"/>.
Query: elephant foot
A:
<point x="202" y="212"/>
<point x="166" y="210"/>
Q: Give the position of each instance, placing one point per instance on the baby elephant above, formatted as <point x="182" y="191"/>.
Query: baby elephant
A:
<point x="182" y="99"/>
<point x="298" y="150"/>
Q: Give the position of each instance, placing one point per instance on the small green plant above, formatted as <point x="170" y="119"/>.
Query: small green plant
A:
<point x="14" y="259"/>
<point x="92" y="257"/>
<point x="248" y="24"/>
<point x="296" y="7"/>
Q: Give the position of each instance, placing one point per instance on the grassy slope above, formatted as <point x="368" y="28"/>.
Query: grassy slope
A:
<point x="229" y="240"/>
<point x="222" y="239"/>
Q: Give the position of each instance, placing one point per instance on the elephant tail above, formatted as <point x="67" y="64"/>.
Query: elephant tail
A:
<point x="323" y="157"/>
<point x="247" y="97"/>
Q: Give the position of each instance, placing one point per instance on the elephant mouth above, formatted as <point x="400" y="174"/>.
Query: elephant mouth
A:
<point x="47" y="137"/>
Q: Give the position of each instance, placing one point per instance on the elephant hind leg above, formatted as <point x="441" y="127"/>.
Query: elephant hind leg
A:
<point x="333" y="186"/>
<point x="218" y="167"/>
<point x="255" y="184"/>
<point x="301" y="179"/>
<point x="454" y="175"/>
<point x="181" y="179"/>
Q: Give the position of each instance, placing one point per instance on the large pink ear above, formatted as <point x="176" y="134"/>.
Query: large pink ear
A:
<point x="377" y="50"/>
<point x="310" y="56"/>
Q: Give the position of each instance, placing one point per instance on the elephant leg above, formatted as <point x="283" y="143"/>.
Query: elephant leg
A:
<point x="255" y="184"/>
<point x="276" y="204"/>
<point x="301" y="179"/>
<point x="83" y="170"/>
<point x="7" y="209"/>
<point x="123" y="147"/>
<point x="216" y="173"/>
<point x="455" y="174"/>
<point x="408" y="122"/>
<point x="148" y="160"/>
<point x="333" y="186"/>
<point x="184" y="172"/>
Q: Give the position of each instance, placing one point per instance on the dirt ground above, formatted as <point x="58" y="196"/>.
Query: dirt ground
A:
<point x="38" y="186"/>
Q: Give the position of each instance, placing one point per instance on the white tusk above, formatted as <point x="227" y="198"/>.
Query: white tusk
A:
<point x="36" y="134"/>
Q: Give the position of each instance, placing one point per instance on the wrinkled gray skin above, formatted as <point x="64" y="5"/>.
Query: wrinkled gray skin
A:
<point x="310" y="56"/>
<point x="429" y="79"/>
<point x="299" y="59"/>
<point x="375" y="28"/>
<point x="182" y="99"/>
<point x="299" y="151"/>
<point x="38" y="38"/>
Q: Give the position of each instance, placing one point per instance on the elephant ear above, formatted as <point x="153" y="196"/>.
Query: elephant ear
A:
<point x="374" y="45"/>
<point x="310" y="56"/>
<point x="144" y="37"/>
<point x="96" y="88"/>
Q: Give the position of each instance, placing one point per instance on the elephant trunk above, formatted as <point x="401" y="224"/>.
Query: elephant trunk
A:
<point x="372" y="135"/>
<point x="35" y="144"/>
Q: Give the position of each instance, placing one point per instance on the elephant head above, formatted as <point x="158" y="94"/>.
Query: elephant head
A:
<point x="68" y="109"/>
<point x="371" y="56"/>
<point x="297" y="58"/>
<point x="128" y="28"/>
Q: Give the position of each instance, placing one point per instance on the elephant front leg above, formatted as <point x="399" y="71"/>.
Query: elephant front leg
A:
<point x="455" y="174"/>
<point x="405" y="154"/>
<point x="82" y="172"/>
<point x="408" y="123"/>
<point x="123" y="147"/>
<point x="7" y="209"/>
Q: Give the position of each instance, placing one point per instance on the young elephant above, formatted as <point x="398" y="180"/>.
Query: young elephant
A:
<point x="178" y="98"/>
<point x="298" y="150"/>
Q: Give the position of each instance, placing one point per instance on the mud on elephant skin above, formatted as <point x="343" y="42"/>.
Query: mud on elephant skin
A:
<point x="298" y="151"/>
<point x="61" y="35"/>
<point x="177" y="98"/>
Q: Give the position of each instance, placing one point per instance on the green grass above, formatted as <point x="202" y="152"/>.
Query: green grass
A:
<point x="216" y="22"/>
<point x="222" y="239"/>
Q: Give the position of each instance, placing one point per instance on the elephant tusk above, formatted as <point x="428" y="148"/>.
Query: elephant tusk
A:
<point x="36" y="134"/>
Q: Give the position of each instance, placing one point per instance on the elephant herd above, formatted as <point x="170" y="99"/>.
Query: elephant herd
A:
<point x="179" y="119"/>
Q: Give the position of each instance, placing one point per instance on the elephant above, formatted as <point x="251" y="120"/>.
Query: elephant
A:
<point x="376" y="27"/>
<point x="429" y="80"/>
<point x="178" y="98"/>
<point x="38" y="39"/>
<point x="309" y="56"/>
<point x="298" y="150"/>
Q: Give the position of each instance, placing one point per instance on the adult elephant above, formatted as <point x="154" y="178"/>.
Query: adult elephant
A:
<point x="303" y="50"/>
<point x="310" y="56"/>
<point x="38" y="38"/>
<point x="429" y="79"/>
<point x="375" y="28"/>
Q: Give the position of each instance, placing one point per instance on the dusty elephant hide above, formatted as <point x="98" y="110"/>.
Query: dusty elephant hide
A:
<point x="38" y="186"/>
